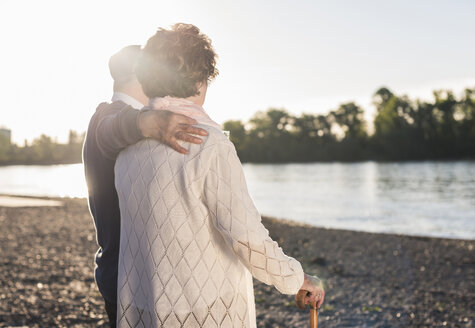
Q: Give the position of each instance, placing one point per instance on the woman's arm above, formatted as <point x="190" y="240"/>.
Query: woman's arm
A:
<point x="236" y="217"/>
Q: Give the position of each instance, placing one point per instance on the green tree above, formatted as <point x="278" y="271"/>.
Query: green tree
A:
<point x="270" y="134"/>
<point x="350" y="118"/>
<point x="43" y="148"/>
<point x="5" y="148"/>
<point x="467" y="109"/>
<point x="393" y="113"/>
<point x="308" y="126"/>
<point x="237" y="135"/>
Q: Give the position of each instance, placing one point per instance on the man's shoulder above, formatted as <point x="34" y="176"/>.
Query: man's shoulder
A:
<point x="104" y="109"/>
<point x="105" y="106"/>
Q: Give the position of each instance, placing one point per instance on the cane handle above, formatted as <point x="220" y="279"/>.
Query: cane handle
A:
<point x="300" y="302"/>
<point x="300" y="299"/>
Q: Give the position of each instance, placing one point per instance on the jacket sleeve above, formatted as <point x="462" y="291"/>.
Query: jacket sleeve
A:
<point x="117" y="129"/>
<point x="236" y="217"/>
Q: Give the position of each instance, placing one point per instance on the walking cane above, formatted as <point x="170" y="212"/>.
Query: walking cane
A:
<point x="300" y="301"/>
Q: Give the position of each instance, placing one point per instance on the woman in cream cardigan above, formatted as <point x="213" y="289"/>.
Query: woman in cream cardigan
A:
<point x="191" y="237"/>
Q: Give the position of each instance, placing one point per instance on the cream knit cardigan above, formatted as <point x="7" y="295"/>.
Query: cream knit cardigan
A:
<point x="191" y="238"/>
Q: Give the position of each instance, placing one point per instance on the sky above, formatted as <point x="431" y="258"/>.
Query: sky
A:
<point x="304" y="56"/>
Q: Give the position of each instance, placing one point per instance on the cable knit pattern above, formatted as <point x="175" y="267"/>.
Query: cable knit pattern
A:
<point x="191" y="237"/>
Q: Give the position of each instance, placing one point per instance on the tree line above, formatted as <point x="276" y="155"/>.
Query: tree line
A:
<point x="403" y="129"/>
<point x="43" y="150"/>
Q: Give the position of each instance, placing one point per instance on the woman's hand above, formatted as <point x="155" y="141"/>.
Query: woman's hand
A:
<point x="314" y="286"/>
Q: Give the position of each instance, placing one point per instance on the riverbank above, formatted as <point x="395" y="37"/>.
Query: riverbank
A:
<point x="372" y="280"/>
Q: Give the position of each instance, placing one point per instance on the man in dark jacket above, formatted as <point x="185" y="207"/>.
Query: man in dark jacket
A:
<point x="113" y="127"/>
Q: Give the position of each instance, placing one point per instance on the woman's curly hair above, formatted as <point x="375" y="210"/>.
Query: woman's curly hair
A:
<point x="174" y="61"/>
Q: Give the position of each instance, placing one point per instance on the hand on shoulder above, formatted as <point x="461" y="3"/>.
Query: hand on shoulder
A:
<point x="168" y="127"/>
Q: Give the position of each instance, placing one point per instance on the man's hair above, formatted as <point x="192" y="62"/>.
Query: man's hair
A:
<point x="122" y="65"/>
<point x="174" y="61"/>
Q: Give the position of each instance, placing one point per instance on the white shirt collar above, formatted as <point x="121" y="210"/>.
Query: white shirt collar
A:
<point x="127" y="99"/>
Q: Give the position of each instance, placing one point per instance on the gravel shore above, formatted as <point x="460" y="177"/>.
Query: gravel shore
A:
<point x="372" y="280"/>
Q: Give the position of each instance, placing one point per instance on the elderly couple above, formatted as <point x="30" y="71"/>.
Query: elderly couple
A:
<point x="180" y="238"/>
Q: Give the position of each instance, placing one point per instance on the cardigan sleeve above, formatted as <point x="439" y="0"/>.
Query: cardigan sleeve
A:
<point x="116" y="129"/>
<point x="236" y="217"/>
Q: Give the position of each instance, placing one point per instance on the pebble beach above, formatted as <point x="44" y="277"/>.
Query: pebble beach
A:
<point x="372" y="280"/>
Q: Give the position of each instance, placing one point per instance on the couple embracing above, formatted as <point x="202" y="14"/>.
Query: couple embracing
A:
<point x="180" y="238"/>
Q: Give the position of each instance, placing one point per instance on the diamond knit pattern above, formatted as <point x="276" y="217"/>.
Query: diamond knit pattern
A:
<point x="191" y="238"/>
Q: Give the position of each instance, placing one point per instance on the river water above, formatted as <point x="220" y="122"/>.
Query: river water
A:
<point x="423" y="198"/>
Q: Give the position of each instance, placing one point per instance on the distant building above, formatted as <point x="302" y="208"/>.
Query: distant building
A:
<point x="7" y="133"/>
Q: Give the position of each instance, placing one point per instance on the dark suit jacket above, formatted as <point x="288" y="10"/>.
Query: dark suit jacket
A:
<point x="112" y="128"/>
